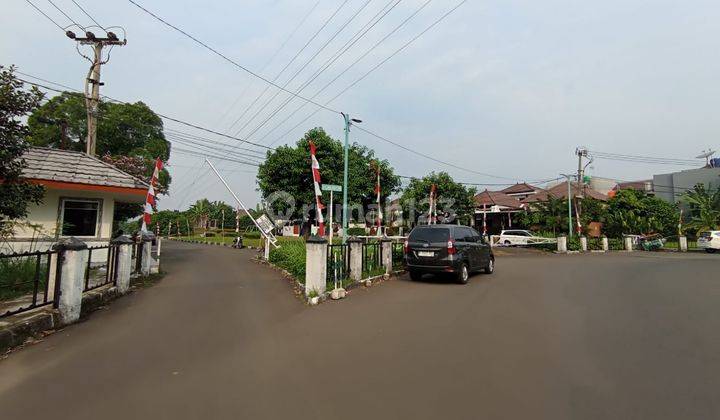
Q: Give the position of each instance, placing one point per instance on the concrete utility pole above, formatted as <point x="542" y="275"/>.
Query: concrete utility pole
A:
<point x="348" y="123"/>
<point x="92" y="81"/>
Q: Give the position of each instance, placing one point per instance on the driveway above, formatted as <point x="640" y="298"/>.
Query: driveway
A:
<point x="545" y="337"/>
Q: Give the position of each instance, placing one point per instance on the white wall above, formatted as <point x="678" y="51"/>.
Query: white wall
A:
<point x="45" y="219"/>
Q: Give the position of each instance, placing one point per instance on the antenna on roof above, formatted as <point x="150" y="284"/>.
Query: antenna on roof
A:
<point x="706" y="155"/>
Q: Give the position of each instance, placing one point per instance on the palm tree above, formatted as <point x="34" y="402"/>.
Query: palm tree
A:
<point x="200" y="211"/>
<point x="704" y="206"/>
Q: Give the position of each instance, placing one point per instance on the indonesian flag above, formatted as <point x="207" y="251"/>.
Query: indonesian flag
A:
<point x="150" y="197"/>
<point x="431" y="212"/>
<point x="315" y="166"/>
<point x="377" y="194"/>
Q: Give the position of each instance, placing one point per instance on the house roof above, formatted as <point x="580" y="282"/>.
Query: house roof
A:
<point x="561" y="191"/>
<point x="66" y="166"/>
<point x="634" y="185"/>
<point x="520" y="188"/>
<point x="497" y="198"/>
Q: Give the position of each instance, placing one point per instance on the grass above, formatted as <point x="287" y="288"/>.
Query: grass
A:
<point x="228" y="240"/>
<point x="17" y="276"/>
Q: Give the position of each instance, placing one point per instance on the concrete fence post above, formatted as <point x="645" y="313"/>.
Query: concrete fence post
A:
<point x="682" y="243"/>
<point x="72" y="278"/>
<point x="316" y="252"/>
<point x="583" y="244"/>
<point x="386" y="254"/>
<point x="628" y="242"/>
<point x="355" y="249"/>
<point x="605" y="244"/>
<point x="124" y="262"/>
<point x="562" y="244"/>
<point x="147" y="262"/>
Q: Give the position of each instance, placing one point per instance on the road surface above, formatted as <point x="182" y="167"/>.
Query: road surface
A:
<point x="545" y="337"/>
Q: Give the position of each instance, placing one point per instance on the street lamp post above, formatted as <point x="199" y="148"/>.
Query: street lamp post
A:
<point x="348" y="122"/>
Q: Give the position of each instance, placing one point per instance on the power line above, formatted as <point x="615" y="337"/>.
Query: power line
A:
<point x="209" y="148"/>
<point x="179" y="121"/>
<point x="66" y="15"/>
<point x="437" y="21"/>
<point x="430" y="157"/>
<point x="342" y="27"/>
<point x="270" y="60"/>
<point x="224" y="57"/>
<point x="198" y="153"/>
<point x="330" y="61"/>
<point x="643" y="159"/>
<point x="46" y="15"/>
<point x="312" y="38"/>
<point x="88" y="14"/>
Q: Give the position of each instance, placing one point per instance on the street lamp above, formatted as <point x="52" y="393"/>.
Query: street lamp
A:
<point x="348" y="122"/>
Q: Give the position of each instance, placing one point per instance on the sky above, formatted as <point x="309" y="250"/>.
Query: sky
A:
<point x="507" y="88"/>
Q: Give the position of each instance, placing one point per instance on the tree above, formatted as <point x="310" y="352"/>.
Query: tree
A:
<point x="287" y="169"/>
<point x="129" y="136"/>
<point x="15" y="193"/>
<point x="452" y="197"/>
<point x="549" y="215"/>
<point x="704" y="208"/>
<point x="200" y="212"/>
<point x="632" y="211"/>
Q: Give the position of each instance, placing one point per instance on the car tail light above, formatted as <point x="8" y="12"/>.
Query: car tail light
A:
<point x="451" y="248"/>
<point x="406" y="246"/>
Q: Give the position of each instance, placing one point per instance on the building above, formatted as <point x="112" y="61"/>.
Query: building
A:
<point x="494" y="211"/>
<point x="560" y="191"/>
<point x="80" y="196"/>
<point x="521" y="191"/>
<point x="670" y="187"/>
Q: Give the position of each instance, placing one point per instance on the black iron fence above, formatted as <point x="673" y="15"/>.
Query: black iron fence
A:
<point x="103" y="270"/>
<point x="398" y="255"/>
<point x="26" y="281"/>
<point x="338" y="264"/>
<point x="371" y="259"/>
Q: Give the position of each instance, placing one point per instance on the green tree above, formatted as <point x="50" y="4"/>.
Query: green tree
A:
<point x="549" y="215"/>
<point x="199" y="212"/>
<point x="704" y="206"/>
<point x="452" y="197"/>
<point x="287" y="169"/>
<point x="631" y="211"/>
<point x="15" y="193"/>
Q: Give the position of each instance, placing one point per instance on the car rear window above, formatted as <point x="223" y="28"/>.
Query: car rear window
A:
<point x="426" y="234"/>
<point x="705" y="234"/>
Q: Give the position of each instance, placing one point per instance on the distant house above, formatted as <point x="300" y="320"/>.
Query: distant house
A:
<point x="80" y="196"/>
<point x="560" y="191"/>
<point x="645" y="186"/>
<point x="521" y="191"/>
<point x="495" y="209"/>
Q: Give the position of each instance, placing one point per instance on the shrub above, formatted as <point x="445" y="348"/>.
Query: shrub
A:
<point x="357" y="231"/>
<point x="290" y="256"/>
<point x="251" y="235"/>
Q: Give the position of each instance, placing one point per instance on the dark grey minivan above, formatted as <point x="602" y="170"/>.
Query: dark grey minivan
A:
<point x="459" y="250"/>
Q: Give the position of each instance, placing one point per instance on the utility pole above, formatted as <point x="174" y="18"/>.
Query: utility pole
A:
<point x="92" y="81"/>
<point x="569" y="198"/>
<point x="348" y="122"/>
<point x="580" y="152"/>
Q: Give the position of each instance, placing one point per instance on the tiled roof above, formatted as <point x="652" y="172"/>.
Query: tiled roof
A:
<point x="497" y="198"/>
<point x="634" y="185"/>
<point x="561" y="191"/>
<point x="520" y="188"/>
<point x="75" y="167"/>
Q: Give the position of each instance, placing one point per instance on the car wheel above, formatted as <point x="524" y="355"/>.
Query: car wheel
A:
<point x="463" y="275"/>
<point x="490" y="267"/>
<point x="507" y="243"/>
<point x="415" y="275"/>
<point x="710" y="250"/>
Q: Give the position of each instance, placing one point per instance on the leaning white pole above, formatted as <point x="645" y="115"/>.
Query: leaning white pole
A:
<point x="237" y="199"/>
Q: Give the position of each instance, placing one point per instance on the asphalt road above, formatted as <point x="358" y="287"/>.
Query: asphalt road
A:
<point x="545" y="337"/>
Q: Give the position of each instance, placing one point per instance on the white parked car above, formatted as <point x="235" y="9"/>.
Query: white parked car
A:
<point x="709" y="240"/>
<point x="516" y="237"/>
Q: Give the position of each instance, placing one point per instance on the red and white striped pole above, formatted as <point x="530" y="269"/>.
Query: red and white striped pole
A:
<point x="377" y="193"/>
<point x="315" y="166"/>
<point x="150" y="197"/>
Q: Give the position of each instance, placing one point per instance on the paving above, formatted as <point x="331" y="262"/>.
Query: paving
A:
<point x="622" y="336"/>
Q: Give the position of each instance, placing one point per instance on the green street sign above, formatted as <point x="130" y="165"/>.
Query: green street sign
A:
<point x="331" y="187"/>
